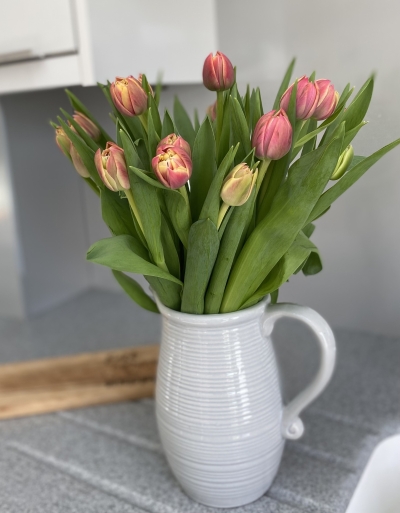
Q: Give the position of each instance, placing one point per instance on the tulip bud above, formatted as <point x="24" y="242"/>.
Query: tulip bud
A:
<point x="328" y="99"/>
<point x="111" y="167"/>
<point x="87" y="125"/>
<point x="272" y="136"/>
<point x="238" y="185"/>
<point x="78" y="163"/>
<point x="62" y="141"/>
<point x="128" y="96"/>
<point x="343" y="163"/>
<point x="173" y="167"/>
<point x="212" y="111"/>
<point x="306" y="98"/>
<point x="218" y="72"/>
<point x="173" y="141"/>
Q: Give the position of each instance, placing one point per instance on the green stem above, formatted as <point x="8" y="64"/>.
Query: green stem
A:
<point x="222" y="211"/>
<point x="220" y="116"/>
<point x="135" y="211"/>
<point x="184" y="193"/>
<point x="297" y="131"/>
<point x="261" y="172"/>
<point x="143" y="120"/>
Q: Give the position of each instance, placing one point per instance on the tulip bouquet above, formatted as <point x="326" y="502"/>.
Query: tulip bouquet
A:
<point x="216" y="214"/>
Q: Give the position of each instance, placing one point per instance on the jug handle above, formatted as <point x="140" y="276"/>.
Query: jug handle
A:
<point x="292" y="425"/>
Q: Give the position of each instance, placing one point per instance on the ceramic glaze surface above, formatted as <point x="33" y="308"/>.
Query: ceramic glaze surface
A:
<point x="218" y="402"/>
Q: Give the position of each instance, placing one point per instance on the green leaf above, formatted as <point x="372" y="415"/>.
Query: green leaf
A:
<point x="298" y="252"/>
<point x="309" y="229"/>
<point x="183" y="123"/>
<point x="168" y="127"/>
<point x="274" y="235"/>
<point x="135" y="127"/>
<point x="83" y="135"/>
<point x="347" y="181"/>
<point x="347" y="92"/>
<point x="116" y="213"/>
<point x="168" y="293"/>
<point x="256" y="110"/>
<point x="143" y="155"/>
<point x="196" y="121"/>
<point x="170" y="252"/>
<point x="86" y="153"/>
<point x="145" y="176"/>
<point x="310" y="145"/>
<point x="135" y="291"/>
<point x="154" y="138"/>
<point x="179" y="214"/>
<point x="274" y="297"/>
<point x="313" y="264"/>
<point x="241" y="129"/>
<point x="230" y="243"/>
<point x="125" y="253"/>
<point x="154" y="114"/>
<point x="213" y="199"/>
<point x="315" y="132"/>
<point x="79" y="106"/>
<point x="284" y="85"/>
<point x="350" y="134"/>
<point x="204" y="167"/>
<point x="225" y="131"/>
<point x="357" y="109"/>
<point x="202" y="252"/>
<point x="145" y="197"/>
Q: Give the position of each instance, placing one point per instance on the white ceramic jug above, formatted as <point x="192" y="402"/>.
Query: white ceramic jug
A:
<point x="218" y="402"/>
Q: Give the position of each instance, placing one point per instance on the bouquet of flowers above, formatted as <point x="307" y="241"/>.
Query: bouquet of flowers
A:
<point x="216" y="214"/>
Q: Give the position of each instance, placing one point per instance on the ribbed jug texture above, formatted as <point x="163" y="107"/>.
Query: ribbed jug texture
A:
<point x="219" y="406"/>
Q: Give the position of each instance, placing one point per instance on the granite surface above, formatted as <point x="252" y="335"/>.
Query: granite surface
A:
<point x="109" y="459"/>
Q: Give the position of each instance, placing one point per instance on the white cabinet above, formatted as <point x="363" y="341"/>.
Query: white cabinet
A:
<point x="36" y="29"/>
<point x="57" y="43"/>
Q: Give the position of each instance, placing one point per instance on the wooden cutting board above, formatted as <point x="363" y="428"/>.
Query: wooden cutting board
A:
<point x="51" y="384"/>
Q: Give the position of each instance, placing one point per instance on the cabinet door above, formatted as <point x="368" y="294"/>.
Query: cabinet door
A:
<point x="35" y="28"/>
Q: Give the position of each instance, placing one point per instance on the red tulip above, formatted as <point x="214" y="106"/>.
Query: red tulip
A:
<point x="328" y="99"/>
<point x="218" y="72"/>
<point x="128" y="96"/>
<point x="173" y="141"/>
<point x="306" y="99"/>
<point x="272" y="136"/>
<point x="78" y="163"/>
<point x="87" y="125"/>
<point x="111" y="167"/>
<point x="173" y="167"/>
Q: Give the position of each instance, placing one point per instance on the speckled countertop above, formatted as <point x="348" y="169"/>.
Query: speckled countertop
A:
<point x="108" y="459"/>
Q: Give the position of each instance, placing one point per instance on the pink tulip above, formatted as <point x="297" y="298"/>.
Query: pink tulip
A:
<point x="238" y="185"/>
<point x="306" y="99"/>
<point x="78" y="163"/>
<point x="128" y="96"/>
<point x="173" y="167"/>
<point x="173" y="141"/>
<point x="328" y="99"/>
<point x="63" y="141"/>
<point x="111" y="167"/>
<point x="272" y="136"/>
<point x="87" y="125"/>
<point x="218" y="72"/>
